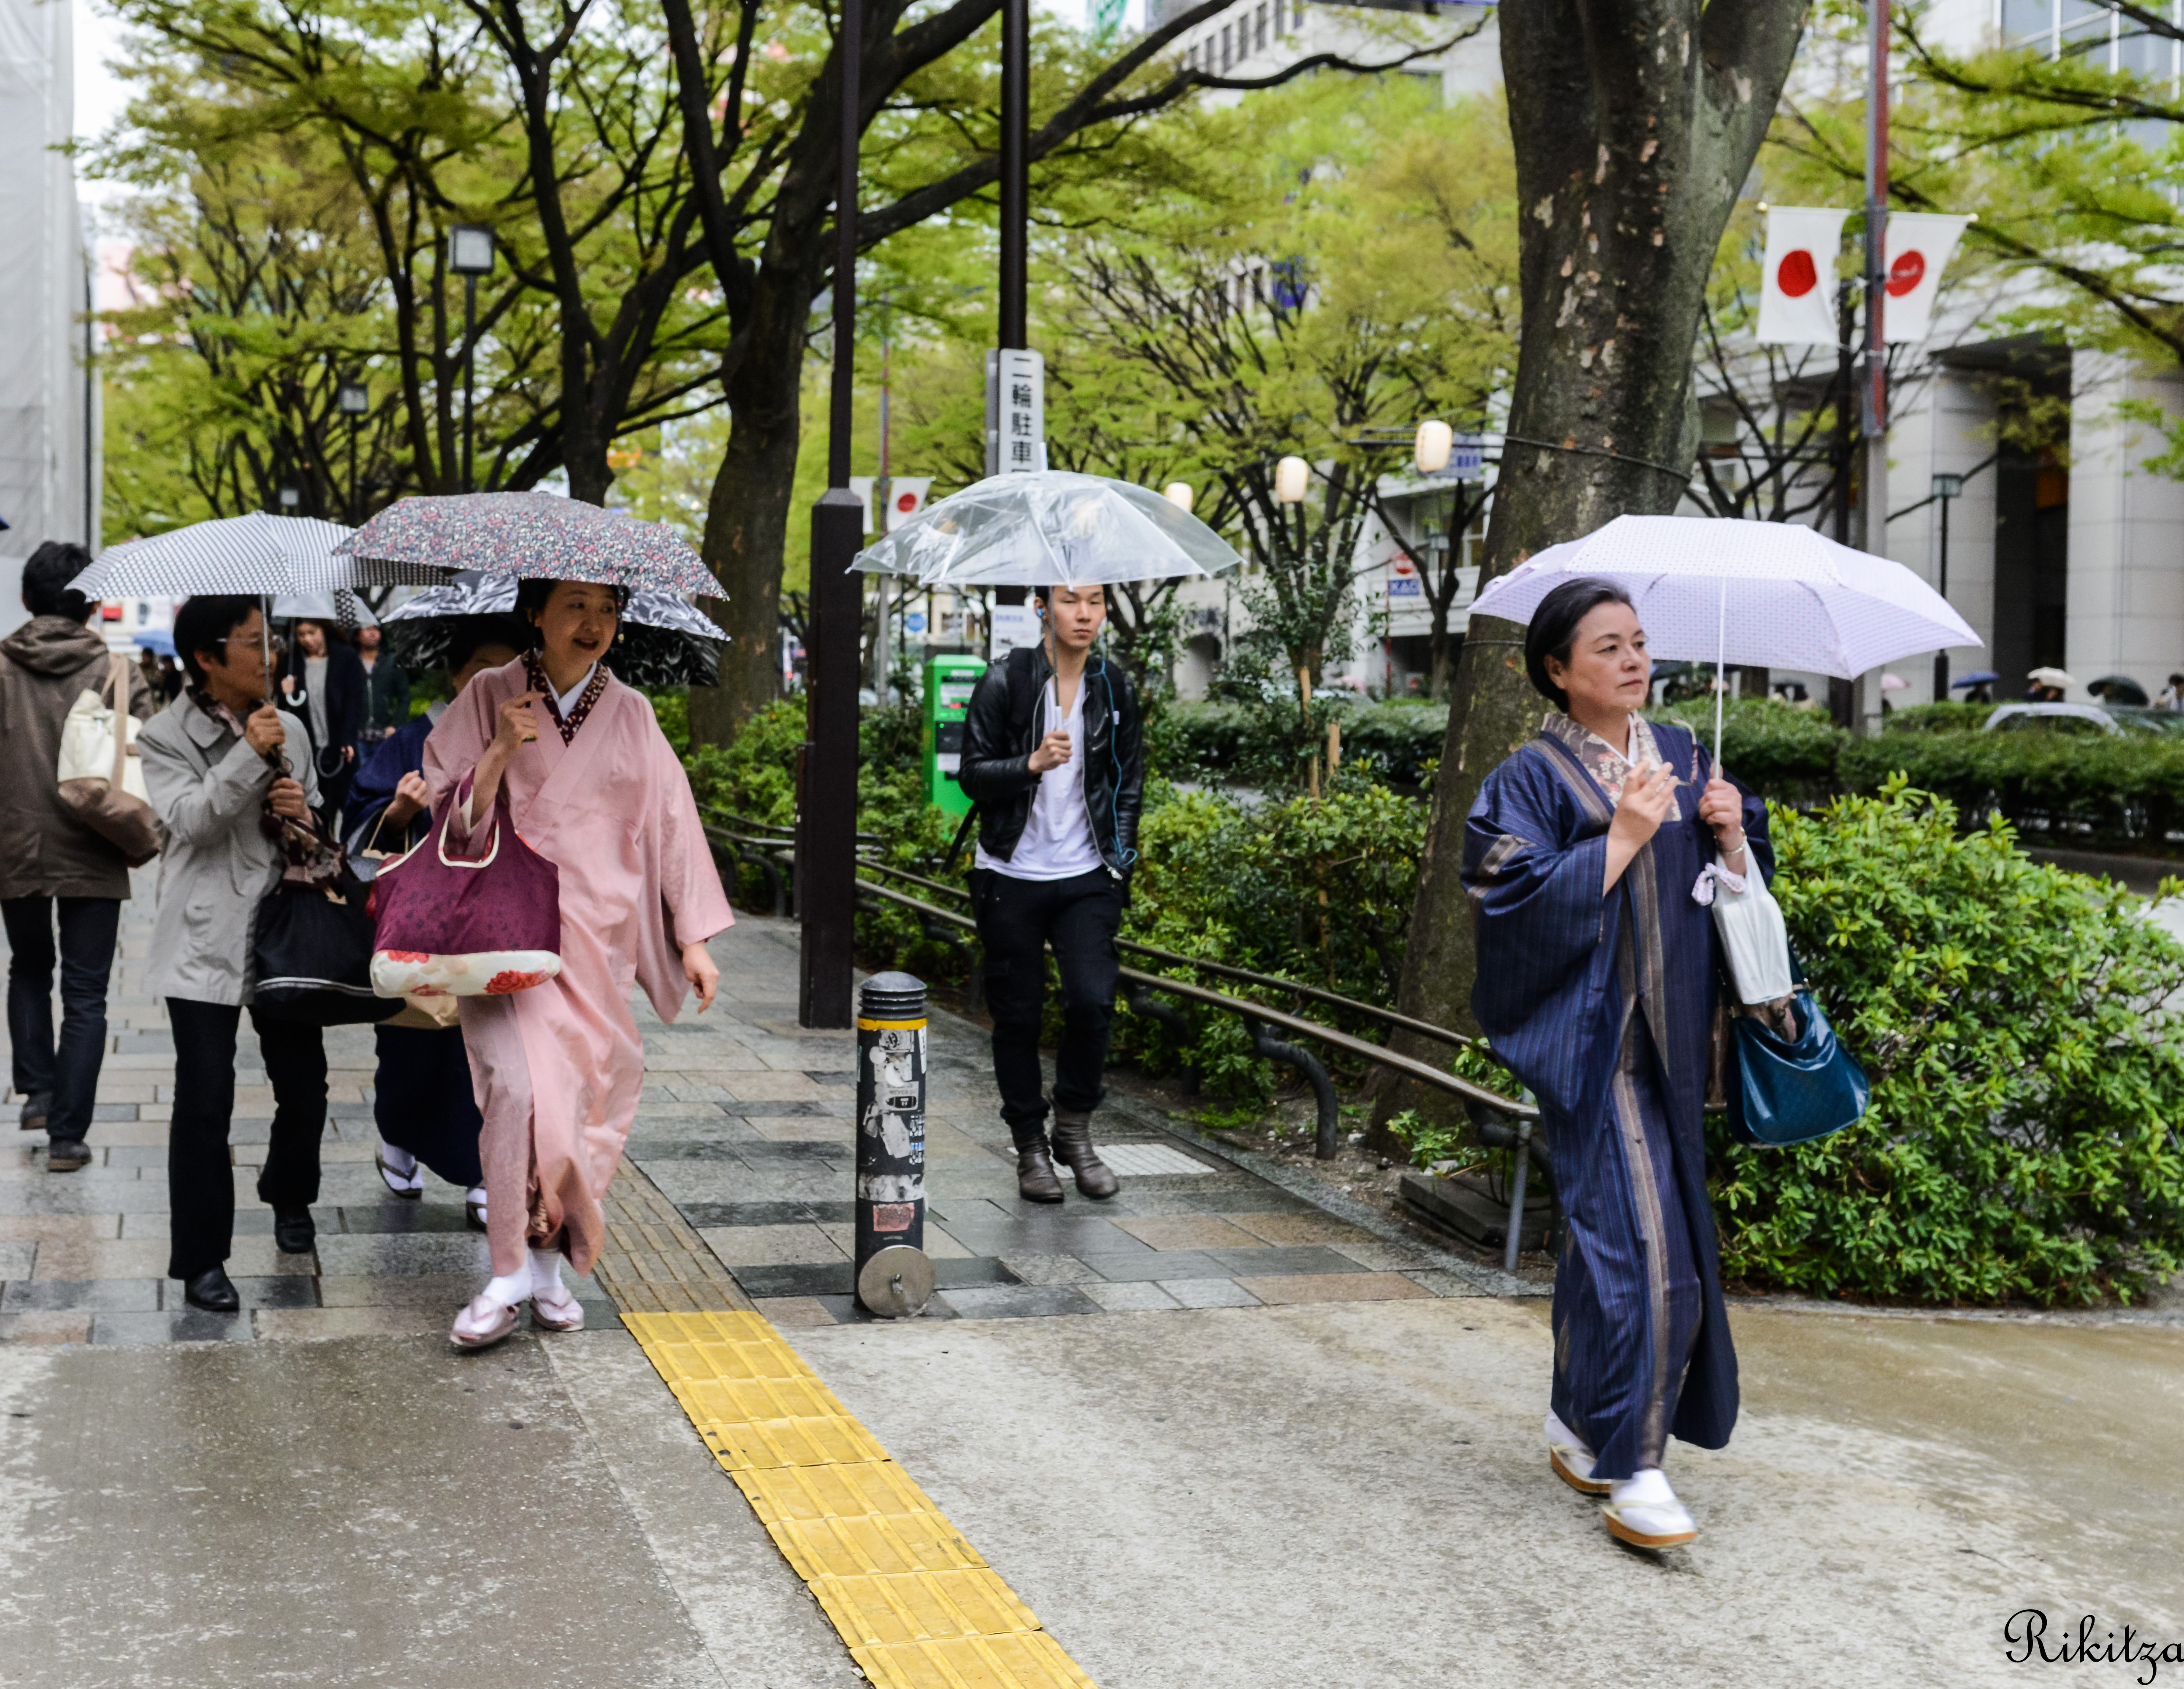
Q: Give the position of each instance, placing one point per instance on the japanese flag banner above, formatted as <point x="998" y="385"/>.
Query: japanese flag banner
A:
<point x="906" y="499"/>
<point x="1797" y="289"/>
<point x="1919" y="247"/>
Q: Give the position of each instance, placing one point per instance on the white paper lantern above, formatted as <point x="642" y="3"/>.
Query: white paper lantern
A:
<point x="1292" y="476"/>
<point x="1436" y="439"/>
<point x="1179" y="494"/>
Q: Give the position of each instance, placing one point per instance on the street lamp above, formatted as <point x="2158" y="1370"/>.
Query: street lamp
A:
<point x="354" y="400"/>
<point x="290" y="498"/>
<point x="1436" y="440"/>
<point x="1944" y="488"/>
<point x="470" y="255"/>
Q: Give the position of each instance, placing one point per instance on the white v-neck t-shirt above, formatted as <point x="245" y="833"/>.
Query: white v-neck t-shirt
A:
<point x="1057" y="841"/>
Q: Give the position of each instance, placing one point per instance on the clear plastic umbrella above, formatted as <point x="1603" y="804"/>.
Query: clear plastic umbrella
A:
<point x="1050" y="527"/>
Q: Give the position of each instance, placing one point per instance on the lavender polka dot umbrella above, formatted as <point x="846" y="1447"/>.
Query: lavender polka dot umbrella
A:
<point x="535" y="536"/>
<point x="1770" y="595"/>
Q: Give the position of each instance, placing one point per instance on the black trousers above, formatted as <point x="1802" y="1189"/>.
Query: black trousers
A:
<point x="423" y="1102"/>
<point x="200" y="1174"/>
<point x="1017" y="919"/>
<point x="69" y="1069"/>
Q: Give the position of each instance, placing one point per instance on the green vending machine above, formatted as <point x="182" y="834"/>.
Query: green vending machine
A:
<point x="949" y="682"/>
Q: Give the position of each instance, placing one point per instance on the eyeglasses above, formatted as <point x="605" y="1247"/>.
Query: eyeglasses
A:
<point x="275" y="642"/>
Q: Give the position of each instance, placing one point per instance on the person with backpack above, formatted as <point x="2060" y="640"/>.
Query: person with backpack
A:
<point x="1053" y="758"/>
<point x="56" y="873"/>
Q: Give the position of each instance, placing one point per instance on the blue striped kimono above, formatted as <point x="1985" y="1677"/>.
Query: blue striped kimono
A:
<point x="1604" y="1003"/>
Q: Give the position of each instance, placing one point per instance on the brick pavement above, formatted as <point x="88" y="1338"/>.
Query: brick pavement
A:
<point x="735" y="1194"/>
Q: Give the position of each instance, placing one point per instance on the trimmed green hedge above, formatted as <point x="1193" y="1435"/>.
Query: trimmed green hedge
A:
<point x="1398" y="743"/>
<point x="2028" y="1073"/>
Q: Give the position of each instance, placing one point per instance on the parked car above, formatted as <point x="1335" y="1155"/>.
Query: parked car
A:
<point x="2122" y="719"/>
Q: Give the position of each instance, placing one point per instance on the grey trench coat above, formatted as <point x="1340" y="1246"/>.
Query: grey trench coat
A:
<point x="208" y="787"/>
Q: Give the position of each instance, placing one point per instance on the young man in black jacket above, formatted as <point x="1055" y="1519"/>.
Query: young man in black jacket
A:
<point x="1053" y="755"/>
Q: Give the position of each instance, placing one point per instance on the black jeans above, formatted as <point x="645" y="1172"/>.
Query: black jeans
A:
<point x="70" y="1073"/>
<point x="200" y="1175"/>
<point x="1017" y="919"/>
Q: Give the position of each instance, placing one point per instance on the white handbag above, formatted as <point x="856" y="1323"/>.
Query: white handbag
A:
<point x="1752" y="932"/>
<point x="88" y="748"/>
<point x="100" y="774"/>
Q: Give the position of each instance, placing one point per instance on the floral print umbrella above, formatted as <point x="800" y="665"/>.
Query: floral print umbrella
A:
<point x="661" y="642"/>
<point x="535" y="536"/>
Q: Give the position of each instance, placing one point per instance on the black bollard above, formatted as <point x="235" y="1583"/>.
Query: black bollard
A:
<point x="894" y="1276"/>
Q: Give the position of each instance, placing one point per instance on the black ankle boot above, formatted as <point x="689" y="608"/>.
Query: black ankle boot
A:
<point x="1073" y="1144"/>
<point x="1036" y="1180"/>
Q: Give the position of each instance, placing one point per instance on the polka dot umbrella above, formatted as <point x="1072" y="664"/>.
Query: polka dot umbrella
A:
<point x="1771" y="594"/>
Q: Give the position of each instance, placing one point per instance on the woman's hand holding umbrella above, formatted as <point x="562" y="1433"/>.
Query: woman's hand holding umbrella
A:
<point x="518" y="726"/>
<point x="1721" y="806"/>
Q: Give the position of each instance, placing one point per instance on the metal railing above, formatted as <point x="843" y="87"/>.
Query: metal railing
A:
<point x="1500" y="1122"/>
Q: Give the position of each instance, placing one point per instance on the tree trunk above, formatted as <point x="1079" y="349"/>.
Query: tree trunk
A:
<point x="747" y="517"/>
<point x="1629" y="160"/>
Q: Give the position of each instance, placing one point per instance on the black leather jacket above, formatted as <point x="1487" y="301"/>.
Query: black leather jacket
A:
<point x="1000" y="731"/>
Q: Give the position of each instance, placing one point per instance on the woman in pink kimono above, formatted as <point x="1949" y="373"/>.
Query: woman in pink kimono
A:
<point x="594" y="787"/>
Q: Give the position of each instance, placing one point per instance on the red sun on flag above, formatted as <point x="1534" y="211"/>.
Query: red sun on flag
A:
<point x="1796" y="274"/>
<point x="1906" y="273"/>
<point x="905" y="501"/>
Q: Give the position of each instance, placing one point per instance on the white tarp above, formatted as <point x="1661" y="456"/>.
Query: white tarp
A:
<point x="43" y="442"/>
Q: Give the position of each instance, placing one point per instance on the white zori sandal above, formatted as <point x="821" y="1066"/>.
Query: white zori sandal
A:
<point x="1643" y="1511"/>
<point x="485" y="1322"/>
<point x="1572" y="1460"/>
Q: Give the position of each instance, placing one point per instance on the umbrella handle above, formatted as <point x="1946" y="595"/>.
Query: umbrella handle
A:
<point x="1720" y="685"/>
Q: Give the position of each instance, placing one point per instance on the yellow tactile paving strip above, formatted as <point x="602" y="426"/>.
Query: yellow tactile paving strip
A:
<point x="917" y="1606"/>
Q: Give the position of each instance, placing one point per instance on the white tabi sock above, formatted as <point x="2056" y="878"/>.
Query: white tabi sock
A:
<point x="401" y="1161"/>
<point x="545" y="1271"/>
<point x="510" y="1289"/>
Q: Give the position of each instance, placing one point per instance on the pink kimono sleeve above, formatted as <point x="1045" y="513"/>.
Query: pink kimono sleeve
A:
<point x="689" y="883"/>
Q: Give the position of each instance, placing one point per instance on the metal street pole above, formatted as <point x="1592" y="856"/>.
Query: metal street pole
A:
<point x="1874" y="486"/>
<point x="827" y="826"/>
<point x="1946" y="488"/>
<point x="1015" y="178"/>
<point x="470" y="373"/>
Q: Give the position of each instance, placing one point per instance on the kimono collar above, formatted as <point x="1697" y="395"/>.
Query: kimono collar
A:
<point x="1608" y="767"/>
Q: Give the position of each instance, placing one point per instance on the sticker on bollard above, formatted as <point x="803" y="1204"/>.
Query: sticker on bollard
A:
<point x="894" y="1279"/>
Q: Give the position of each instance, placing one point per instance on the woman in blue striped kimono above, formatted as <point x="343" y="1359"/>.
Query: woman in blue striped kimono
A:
<point x="1597" y="961"/>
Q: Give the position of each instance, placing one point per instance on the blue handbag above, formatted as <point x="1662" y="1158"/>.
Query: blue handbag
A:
<point x="1788" y="1093"/>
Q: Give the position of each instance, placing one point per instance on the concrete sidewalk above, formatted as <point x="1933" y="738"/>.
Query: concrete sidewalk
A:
<point x="1210" y="1434"/>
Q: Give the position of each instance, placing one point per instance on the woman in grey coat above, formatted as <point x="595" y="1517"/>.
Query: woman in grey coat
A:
<point x="224" y="785"/>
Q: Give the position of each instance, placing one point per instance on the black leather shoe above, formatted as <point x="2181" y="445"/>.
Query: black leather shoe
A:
<point x="212" y="1291"/>
<point x="66" y="1155"/>
<point x="294" y="1230"/>
<point x="37" y="1108"/>
<point x="1036" y="1180"/>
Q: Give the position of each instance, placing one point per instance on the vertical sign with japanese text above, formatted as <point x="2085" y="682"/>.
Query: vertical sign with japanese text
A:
<point x="1016" y="412"/>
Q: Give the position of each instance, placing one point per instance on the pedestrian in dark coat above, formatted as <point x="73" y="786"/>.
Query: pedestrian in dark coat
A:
<point x="53" y="868"/>
<point x="324" y="681"/>
<point x="1598" y="969"/>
